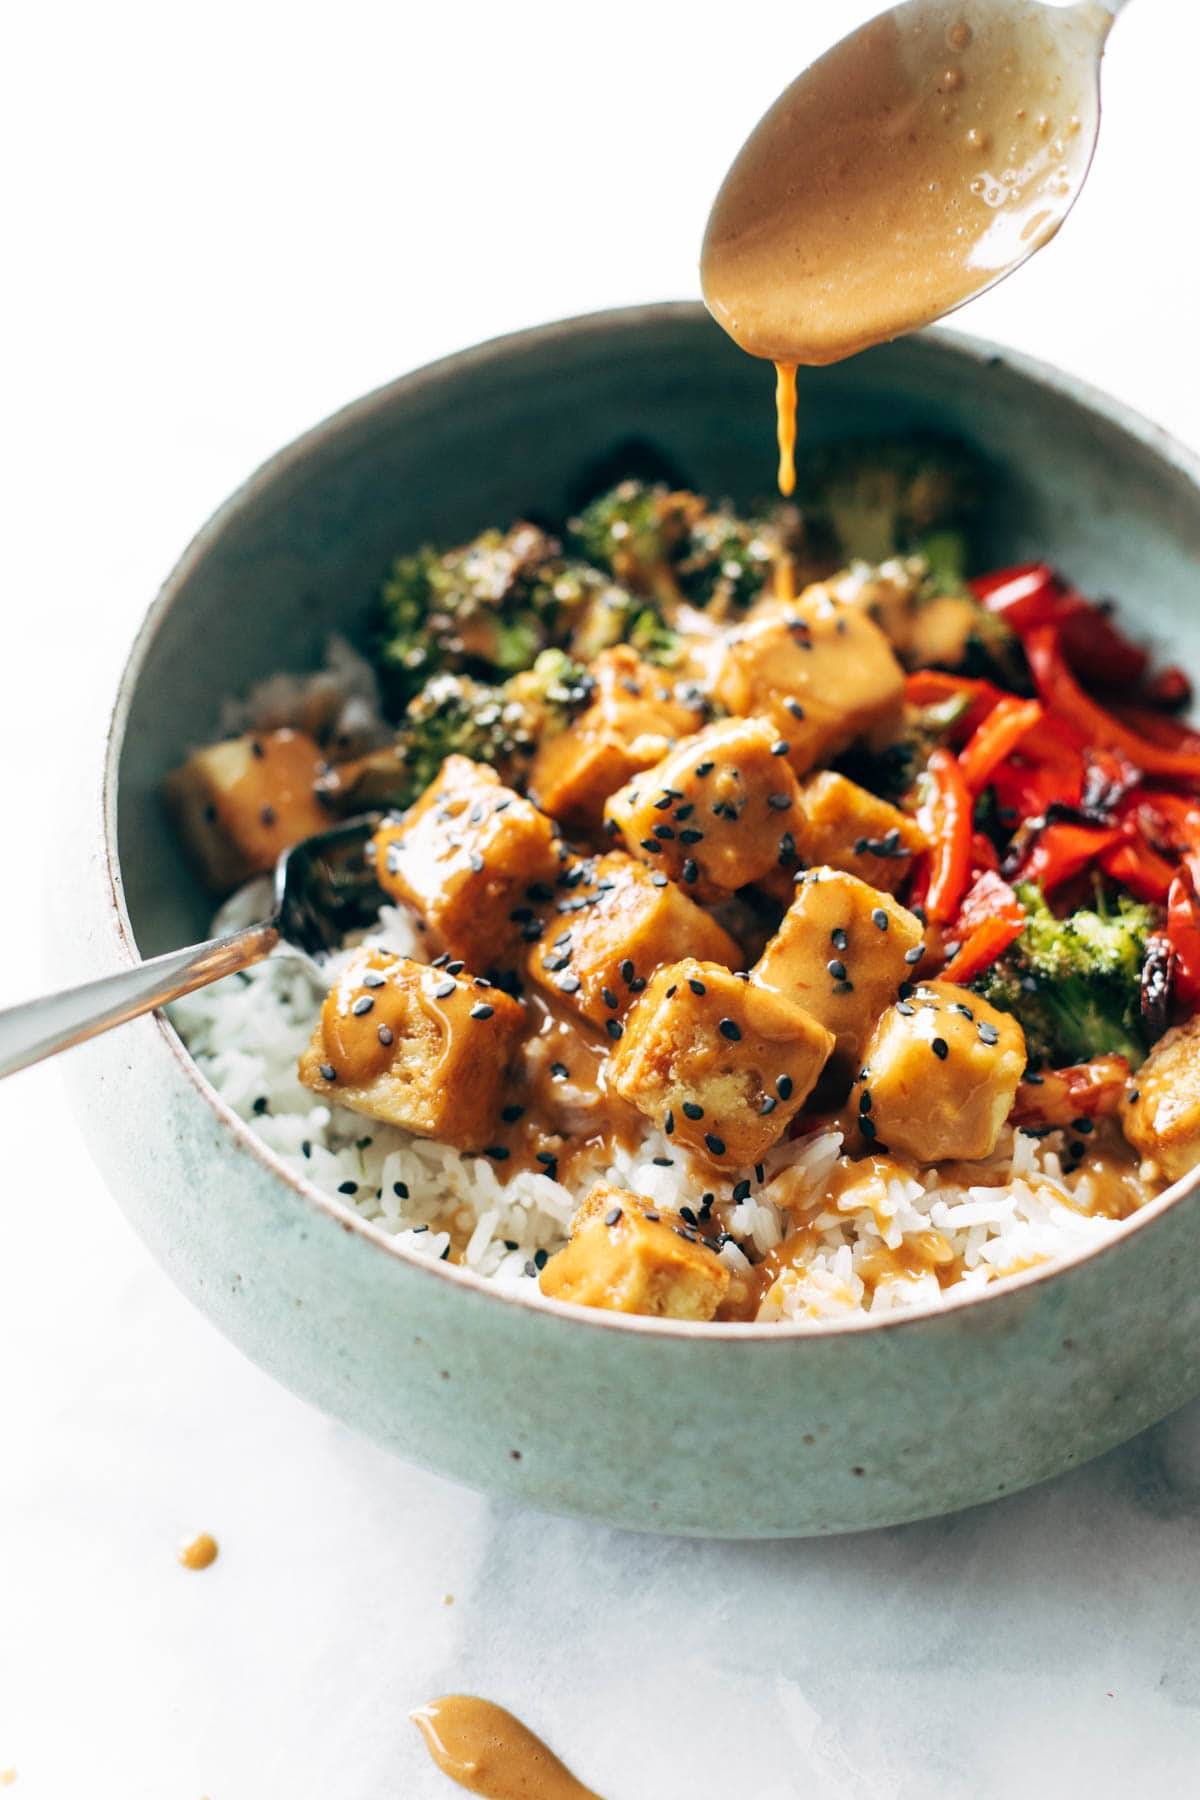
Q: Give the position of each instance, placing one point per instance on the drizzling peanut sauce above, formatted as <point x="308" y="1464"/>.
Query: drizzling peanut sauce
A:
<point x="199" y="1552"/>
<point x="785" y="425"/>
<point x="899" y="176"/>
<point x="488" y="1751"/>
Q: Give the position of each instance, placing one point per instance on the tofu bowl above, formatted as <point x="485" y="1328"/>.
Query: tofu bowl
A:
<point x="751" y="1413"/>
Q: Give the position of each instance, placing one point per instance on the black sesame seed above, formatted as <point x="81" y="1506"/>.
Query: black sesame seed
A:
<point x="614" y="1029"/>
<point x="627" y="971"/>
<point x="347" y="1187"/>
<point x="741" y="1192"/>
<point x="692" y="1111"/>
<point x="780" y="747"/>
<point x="531" y="1268"/>
<point x="256" y="749"/>
<point x="662" y="1162"/>
<point x="456" y="967"/>
<point x="906" y="1010"/>
<point x="1082" y="1126"/>
<point x="267" y="815"/>
<point x="729" y="1028"/>
<point x="373" y="979"/>
<point x="716" y="1145"/>
<point x="559" y="1071"/>
<point x="704" y="768"/>
<point x="838" y="938"/>
<point x="779" y="802"/>
<point x="363" y="1004"/>
<point x="540" y="1258"/>
<point x="940" y="1048"/>
<point x="912" y="957"/>
<point x="328" y="1072"/>
<point x="691" y="836"/>
<point x="568" y="984"/>
<point x="759" y="1173"/>
<point x="653" y="1215"/>
<point x="260" y="1106"/>
<point x="783" y="1086"/>
<point x="690" y="872"/>
<point x="964" y="1011"/>
<point x="795" y="708"/>
<point x="880" y="918"/>
<point x="866" y="1125"/>
<point x="498" y="1152"/>
<point x="684" y="812"/>
<point x="767" y="1104"/>
<point x="651" y="846"/>
<point x="662" y="803"/>
<point x="482" y="1010"/>
<point x="609" y="999"/>
<point x="664" y="832"/>
<point x="836" y="969"/>
<point x="613" y="1216"/>
<point x="864" y="1101"/>
<point x="990" y="1036"/>
<point x="1077" y="1149"/>
<point x="475" y="862"/>
<point x="400" y="1189"/>
<point x="843" y="987"/>
<point x="696" y="986"/>
<point x="385" y="1035"/>
<point x="510" y="1114"/>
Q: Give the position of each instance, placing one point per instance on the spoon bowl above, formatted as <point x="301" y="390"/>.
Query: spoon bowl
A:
<point x="921" y="160"/>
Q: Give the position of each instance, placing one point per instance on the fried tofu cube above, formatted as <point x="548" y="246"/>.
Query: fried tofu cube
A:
<point x="1161" y="1113"/>
<point x="848" y="828"/>
<point x="416" y="1047"/>
<point x="720" y="1063"/>
<point x="717" y="813"/>
<point x="940" y="1072"/>
<point x="626" y="1256"/>
<point x="624" y="921"/>
<point x="464" y="858"/>
<point x="242" y="803"/>
<point x="635" y="717"/>
<point x="841" y="952"/>
<point x="824" y="674"/>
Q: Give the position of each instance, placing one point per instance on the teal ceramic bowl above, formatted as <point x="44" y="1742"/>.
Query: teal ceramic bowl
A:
<point x="712" y="1430"/>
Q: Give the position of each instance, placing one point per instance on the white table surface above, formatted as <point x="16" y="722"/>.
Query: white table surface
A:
<point x="223" y="222"/>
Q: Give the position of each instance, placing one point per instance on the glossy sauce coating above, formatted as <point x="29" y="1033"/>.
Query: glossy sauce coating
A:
<point x="199" y="1552"/>
<point x="488" y="1751"/>
<point x="900" y="175"/>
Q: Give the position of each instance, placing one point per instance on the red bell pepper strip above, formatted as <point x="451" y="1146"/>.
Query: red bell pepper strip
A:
<point x="994" y="741"/>
<point x="1032" y="595"/>
<point x="984" y="855"/>
<point x="978" y="952"/>
<point x="1183" y="935"/>
<point x="1139" y="867"/>
<point x="1156" y="728"/>
<point x="1060" y="693"/>
<point x="1062" y="851"/>
<point x="1090" y="1090"/>
<point x="948" y="824"/>
<point x="1169" y="821"/>
<point x="988" y="921"/>
<point x="932" y="687"/>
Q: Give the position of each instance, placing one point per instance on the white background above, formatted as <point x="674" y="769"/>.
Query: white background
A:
<point x="219" y="223"/>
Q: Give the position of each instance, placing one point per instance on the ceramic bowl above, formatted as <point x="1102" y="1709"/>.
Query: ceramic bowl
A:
<point x="713" y="1430"/>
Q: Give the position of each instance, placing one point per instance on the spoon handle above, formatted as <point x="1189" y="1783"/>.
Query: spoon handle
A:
<point x="41" y="1028"/>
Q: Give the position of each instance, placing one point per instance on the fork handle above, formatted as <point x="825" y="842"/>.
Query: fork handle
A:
<point x="41" y="1028"/>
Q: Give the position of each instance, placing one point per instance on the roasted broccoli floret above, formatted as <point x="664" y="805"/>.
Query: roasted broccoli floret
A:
<point x="673" y="546"/>
<point x="890" y="498"/>
<point x="1075" y="983"/>
<point x="485" y="608"/>
<point x="454" y="714"/>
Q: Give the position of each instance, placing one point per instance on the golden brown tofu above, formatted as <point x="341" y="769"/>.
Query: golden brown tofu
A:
<point x="848" y="828"/>
<point x="717" y="813"/>
<point x="635" y="716"/>
<point x="465" y="858"/>
<point x="824" y="674"/>
<point x="841" y="952"/>
<point x="1161" y="1113"/>
<point x="719" y="1063"/>
<point x="242" y="803"/>
<point x="624" y="921"/>
<point x="940" y="1071"/>
<point x="415" y="1047"/>
<point x="626" y="1256"/>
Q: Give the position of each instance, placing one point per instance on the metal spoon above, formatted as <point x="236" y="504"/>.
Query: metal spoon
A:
<point x="324" y="888"/>
<point x="921" y="160"/>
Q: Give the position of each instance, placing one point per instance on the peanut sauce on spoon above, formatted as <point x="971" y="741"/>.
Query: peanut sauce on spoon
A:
<point x="488" y="1751"/>
<point x="908" y="169"/>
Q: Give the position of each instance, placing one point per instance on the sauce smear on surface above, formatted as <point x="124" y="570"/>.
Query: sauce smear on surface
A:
<point x="488" y="1751"/>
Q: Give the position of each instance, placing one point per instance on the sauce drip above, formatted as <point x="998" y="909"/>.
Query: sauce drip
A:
<point x="785" y="425"/>
<point x="488" y="1751"/>
<point x="904" y="172"/>
<point x="199" y="1552"/>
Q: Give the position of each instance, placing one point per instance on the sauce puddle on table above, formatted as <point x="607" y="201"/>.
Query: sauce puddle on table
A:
<point x="488" y="1751"/>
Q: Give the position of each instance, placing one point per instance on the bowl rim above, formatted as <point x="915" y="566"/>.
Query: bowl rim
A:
<point x="974" y="351"/>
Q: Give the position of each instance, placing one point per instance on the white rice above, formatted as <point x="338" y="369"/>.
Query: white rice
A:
<point x="247" y="1034"/>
